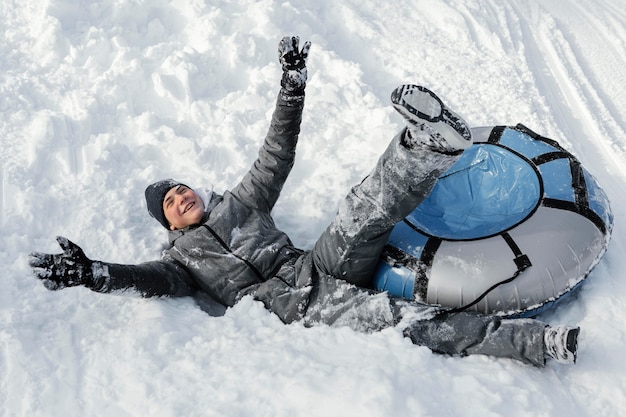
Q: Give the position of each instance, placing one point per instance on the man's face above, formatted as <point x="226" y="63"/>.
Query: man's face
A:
<point x="182" y="207"/>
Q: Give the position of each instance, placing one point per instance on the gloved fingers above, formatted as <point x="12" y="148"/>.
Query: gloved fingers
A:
<point x="285" y="46"/>
<point x="66" y="245"/>
<point x="42" y="273"/>
<point x="42" y="265"/>
<point x="38" y="259"/>
<point x="295" y="47"/>
<point x="290" y="55"/>
<point x="71" y="249"/>
<point x="295" y="41"/>
<point x="305" y="50"/>
<point x="52" y="285"/>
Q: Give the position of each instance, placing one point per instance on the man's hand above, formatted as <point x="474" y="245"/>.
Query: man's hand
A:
<point x="66" y="269"/>
<point x="293" y="61"/>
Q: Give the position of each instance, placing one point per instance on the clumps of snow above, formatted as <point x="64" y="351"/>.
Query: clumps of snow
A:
<point x="100" y="99"/>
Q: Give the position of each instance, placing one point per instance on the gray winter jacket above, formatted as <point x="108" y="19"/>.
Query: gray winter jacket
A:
<point x="237" y="250"/>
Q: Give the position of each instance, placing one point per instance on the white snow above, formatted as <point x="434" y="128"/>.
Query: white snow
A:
<point x="99" y="99"/>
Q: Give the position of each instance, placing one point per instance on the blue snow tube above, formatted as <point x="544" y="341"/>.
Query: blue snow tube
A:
<point x="509" y="229"/>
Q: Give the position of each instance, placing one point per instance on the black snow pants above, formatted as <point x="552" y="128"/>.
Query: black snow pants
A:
<point x="346" y="255"/>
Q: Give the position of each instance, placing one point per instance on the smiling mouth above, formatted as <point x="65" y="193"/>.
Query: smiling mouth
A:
<point x="188" y="207"/>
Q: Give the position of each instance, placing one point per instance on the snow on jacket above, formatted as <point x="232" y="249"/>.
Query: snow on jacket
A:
<point x="237" y="250"/>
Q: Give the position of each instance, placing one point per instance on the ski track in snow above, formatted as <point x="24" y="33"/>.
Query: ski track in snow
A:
<point x="97" y="100"/>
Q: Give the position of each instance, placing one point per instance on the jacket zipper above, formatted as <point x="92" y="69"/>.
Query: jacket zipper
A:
<point x="230" y="251"/>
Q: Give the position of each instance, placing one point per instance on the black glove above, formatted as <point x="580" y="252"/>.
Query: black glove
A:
<point x="67" y="269"/>
<point x="293" y="61"/>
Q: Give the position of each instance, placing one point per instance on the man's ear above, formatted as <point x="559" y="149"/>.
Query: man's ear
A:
<point x="172" y="227"/>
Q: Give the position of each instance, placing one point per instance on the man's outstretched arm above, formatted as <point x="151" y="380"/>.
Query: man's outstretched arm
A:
<point x="72" y="268"/>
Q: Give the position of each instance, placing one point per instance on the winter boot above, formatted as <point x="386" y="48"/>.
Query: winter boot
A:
<point x="561" y="343"/>
<point x="429" y="121"/>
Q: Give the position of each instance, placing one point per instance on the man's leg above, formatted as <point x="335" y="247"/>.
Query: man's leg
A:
<point x="336" y="303"/>
<point x="468" y="333"/>
<point x="403" y="177"/>
<point x="350" y="249"/>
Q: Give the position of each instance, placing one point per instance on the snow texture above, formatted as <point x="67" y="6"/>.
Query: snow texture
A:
<point x="100" y="99"/>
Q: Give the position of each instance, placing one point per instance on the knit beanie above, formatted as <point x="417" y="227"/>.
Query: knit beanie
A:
<point x="155" y="194"/>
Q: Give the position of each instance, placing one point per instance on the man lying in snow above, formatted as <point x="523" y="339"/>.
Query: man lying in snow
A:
<point x="229" y="247"/>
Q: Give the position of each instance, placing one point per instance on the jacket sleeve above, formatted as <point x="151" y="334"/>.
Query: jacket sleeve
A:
<point x="261" y="186"/>
<point x="149" y="279"/>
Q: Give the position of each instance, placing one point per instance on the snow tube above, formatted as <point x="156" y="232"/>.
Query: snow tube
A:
<point x="512" y="227"/>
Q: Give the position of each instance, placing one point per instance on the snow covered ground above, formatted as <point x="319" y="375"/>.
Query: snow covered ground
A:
<point x="98" y="99"/>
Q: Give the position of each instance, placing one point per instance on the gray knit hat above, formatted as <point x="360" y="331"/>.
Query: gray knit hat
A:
<point x="155" y="194"/>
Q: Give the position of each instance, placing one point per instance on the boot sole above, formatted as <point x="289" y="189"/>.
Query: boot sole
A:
<point x="418" y="105"/>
